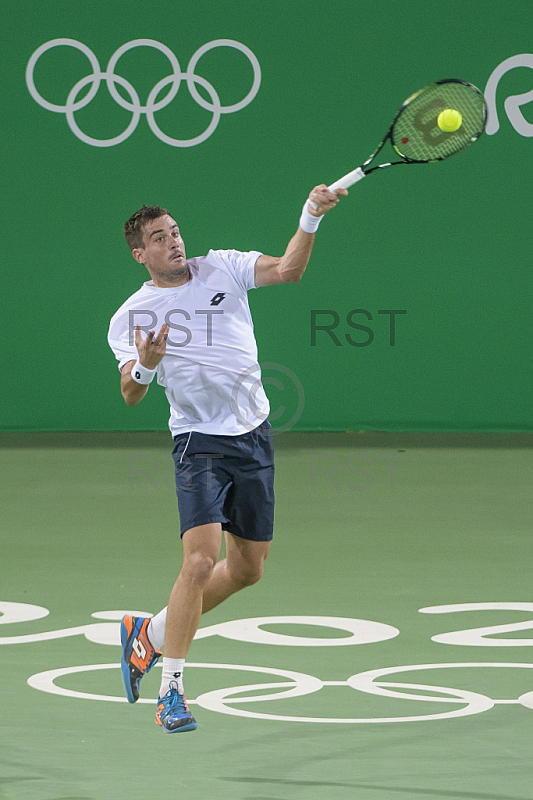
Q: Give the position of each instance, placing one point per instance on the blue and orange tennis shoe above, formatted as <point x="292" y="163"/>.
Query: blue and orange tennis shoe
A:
<point x="138" y="655"/>
<point x="173" y="713"/>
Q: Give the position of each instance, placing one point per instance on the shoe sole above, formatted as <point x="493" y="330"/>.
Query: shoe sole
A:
<point x="124" y="665"/>
<point x="191" y="727"/>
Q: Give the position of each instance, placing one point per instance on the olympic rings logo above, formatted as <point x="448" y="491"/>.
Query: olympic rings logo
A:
<point x="300" y="684"/>
<point x="174" y="81"/>
<point x="381" y="682"/>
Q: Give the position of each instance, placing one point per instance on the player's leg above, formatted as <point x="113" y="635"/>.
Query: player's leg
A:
<point x="249" y="510"/>
<point x="201" y="485"/>
<point x="236" y="484"/>
<point x="201" y="549"/>
<point x="243" y="566"/>
<point x="202" y="584"/>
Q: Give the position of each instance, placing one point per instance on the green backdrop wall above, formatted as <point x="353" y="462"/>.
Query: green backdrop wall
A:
<point x="447" y="244"/>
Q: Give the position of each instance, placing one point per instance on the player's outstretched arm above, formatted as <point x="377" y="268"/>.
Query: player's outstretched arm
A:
<point x="290" y="267"/>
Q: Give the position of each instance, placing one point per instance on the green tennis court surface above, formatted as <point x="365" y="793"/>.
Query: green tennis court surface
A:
<point x="341" y="692"/>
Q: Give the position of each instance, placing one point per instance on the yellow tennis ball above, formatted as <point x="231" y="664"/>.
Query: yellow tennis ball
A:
<point x="449" y="120"/>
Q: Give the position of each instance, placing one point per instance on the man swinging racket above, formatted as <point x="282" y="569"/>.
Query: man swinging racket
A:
<point x="203" y="351"/>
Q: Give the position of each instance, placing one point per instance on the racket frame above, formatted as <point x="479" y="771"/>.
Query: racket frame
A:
<point x="361" y="172"/>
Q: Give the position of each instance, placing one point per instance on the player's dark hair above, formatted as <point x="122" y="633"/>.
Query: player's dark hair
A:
<point x="133" y="228"/>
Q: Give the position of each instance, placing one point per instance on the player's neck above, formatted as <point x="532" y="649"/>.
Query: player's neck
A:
<point x="172" y="278"/>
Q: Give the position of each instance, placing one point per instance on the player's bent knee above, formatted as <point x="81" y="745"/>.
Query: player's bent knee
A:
<point x="249" y="575"/>
<point x="253" y="577"/>
<point x="198" y="567"/>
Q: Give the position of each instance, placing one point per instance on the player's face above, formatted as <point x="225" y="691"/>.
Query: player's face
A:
<point x="163" y="253"/>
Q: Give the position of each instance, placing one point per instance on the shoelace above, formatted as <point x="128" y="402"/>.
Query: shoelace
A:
<point x="177" y="702"/>
<point x="153" y="659"/>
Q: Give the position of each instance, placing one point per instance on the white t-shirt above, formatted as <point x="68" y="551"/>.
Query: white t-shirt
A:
<point x="210" y="371"/>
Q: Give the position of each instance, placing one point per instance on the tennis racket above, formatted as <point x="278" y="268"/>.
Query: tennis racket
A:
<point x="415" y="134"/>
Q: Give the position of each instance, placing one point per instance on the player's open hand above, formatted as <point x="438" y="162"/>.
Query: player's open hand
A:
<point x="152" y="349"/>
<point x="324" y="199"/>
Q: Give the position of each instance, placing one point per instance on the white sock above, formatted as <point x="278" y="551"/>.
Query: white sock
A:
<point x="172" y="671"/>
<point x="156" y="630"/>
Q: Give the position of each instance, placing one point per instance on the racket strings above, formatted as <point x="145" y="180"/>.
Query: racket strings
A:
<point x="416" y="134"/>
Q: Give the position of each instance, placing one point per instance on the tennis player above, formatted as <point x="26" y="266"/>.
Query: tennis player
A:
<point x="205" y="355"/>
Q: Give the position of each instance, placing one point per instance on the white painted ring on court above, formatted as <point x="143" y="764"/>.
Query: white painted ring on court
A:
<point x="20" y="612"/>
<point x="218" y="699"/>
<point x="476" y="703"/>
<point x="298" y="685"/>
<point x="134" y="105"/>
<point x="526" y="700"/>
<point x="303" y="684"/>
<point x="365" y="682"/>
<point x="362" y="631"/>
<point x="107" y="634"/>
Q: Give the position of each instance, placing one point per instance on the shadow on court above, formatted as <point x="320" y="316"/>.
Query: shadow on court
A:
<point x="407" y="790"/>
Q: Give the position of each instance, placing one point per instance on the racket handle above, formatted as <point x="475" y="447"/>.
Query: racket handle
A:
<point x="344" y="182"/>
<point x="347" y="180"/>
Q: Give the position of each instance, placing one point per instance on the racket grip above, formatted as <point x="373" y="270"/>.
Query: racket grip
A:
<point x="344" y="182"/>
<point x="347" y="180"/>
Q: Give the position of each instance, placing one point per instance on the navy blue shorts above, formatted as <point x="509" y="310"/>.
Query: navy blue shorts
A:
<point x="227" y="479"/>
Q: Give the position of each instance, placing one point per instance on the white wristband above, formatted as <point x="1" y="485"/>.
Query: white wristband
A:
<point x="142" y="374"/>
<point x="308" y="222"/>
